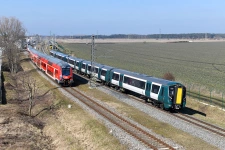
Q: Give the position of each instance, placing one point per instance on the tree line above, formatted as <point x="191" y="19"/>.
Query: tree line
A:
<point x="12" y="33"/>
<point x="151" y="36"/>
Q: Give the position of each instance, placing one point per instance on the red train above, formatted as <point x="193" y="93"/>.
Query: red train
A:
<point x="55" y="68"/>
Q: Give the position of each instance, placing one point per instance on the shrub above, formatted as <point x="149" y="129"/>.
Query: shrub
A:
<point x="169" y="76"/>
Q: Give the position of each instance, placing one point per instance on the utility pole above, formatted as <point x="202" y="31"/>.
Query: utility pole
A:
<point x="92" y="58"/>
<point x="159" y="33"/>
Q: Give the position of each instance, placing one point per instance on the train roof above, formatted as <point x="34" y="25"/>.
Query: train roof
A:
<point x="72" y="58"/>
<point x="145" y="77"/>
<point x="107" y="67"/>
<point x="60" y="54"/>
<point x="50" y="58"/>
<point x="98" y="65"/>
<point x="86" y="62"/>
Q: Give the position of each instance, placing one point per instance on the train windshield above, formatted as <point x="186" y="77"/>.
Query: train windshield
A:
<point x="171" y="91"/>
<point x="65" y="71"/>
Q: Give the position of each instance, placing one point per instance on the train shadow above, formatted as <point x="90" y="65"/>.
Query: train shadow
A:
<point x="78" y="80"/>
<point x="190" y="111"/>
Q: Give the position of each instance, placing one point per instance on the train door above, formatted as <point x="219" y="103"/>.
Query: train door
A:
<point x="115" y="78"/>
<point x="155" y="88"/>
<point x="103" y="74"/>
<point x="77" y="66"/>
<point x="121" y="80"/>
<point x="96" y="74"/>
<point x="83" y="68"/>
<point x="176" y="94"/>
<point x="99" y="73"/>
<point x="89" y="69"/>
<point x="147" y="89"/>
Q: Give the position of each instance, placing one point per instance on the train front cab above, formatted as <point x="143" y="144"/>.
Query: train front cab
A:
<point x="67" y="76"/>
<point x="177" y="96"/>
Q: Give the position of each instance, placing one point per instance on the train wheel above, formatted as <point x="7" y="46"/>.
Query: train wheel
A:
<point x="147" y="100"/>
<point x="161" y="106"/>
<point x="153" y="103"/>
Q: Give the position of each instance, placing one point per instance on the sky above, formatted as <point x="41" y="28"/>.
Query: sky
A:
<point x="106" y="17"/>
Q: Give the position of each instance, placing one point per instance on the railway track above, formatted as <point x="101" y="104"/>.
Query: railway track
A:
<point x="207" y="126"/>
<point x="141" y="135"/>
<point x="199" y="123"/>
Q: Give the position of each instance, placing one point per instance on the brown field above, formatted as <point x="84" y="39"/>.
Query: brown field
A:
<point x="135" y="40"/>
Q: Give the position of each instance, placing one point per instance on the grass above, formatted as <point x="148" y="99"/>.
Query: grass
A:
<point x="212" y="114"/>
<point x="10" y="94"/>
<point x="201" y="64"/>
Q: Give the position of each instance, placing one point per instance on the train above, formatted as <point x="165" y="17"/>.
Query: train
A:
<point x="58" y="70"/>
<point x="160" y="92"/>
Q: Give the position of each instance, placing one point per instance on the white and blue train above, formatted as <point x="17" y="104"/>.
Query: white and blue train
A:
<point x="163" y="93"/>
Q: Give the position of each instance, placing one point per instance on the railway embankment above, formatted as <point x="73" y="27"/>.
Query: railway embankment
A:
<point x="63" y="127"/>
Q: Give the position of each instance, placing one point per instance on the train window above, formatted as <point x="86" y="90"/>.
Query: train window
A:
<point x="77" y="64"/>
<point x="140" y="84"/>
<point x="155" y="89"/>
<point x="103" y="73"/>
<point x="125" y="80"/>
<point x="171" y="91"/>
<point x="71" y="61"/>
<point x="64" y="59"/>
<point x="65" y="71"/>
<point x="96" y="70"/>
<point x="83" y="66"/>
<point x="89" y="68"/>
<point x="134" y="82"/>
<point x="115" y="77"/>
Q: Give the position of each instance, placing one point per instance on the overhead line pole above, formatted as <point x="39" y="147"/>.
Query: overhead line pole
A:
<point x="92" y="58"/>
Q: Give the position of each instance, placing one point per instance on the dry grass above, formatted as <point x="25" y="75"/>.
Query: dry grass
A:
<point x="207" y="113"/>
<point x="56" y="128"/>
<point x="17" y="130"/>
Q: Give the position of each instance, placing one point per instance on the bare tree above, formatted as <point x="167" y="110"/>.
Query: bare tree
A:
<point x="28" y="85"/>
<point x="11" y="34"/>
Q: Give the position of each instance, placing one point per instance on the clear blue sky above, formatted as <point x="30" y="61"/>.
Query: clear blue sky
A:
<point x="67" y="17"/>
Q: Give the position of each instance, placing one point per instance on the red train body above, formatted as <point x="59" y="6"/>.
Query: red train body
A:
<point x="55" y="68"/>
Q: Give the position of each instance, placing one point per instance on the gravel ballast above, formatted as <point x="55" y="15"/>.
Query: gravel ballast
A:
<point x="203" y="134"/>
